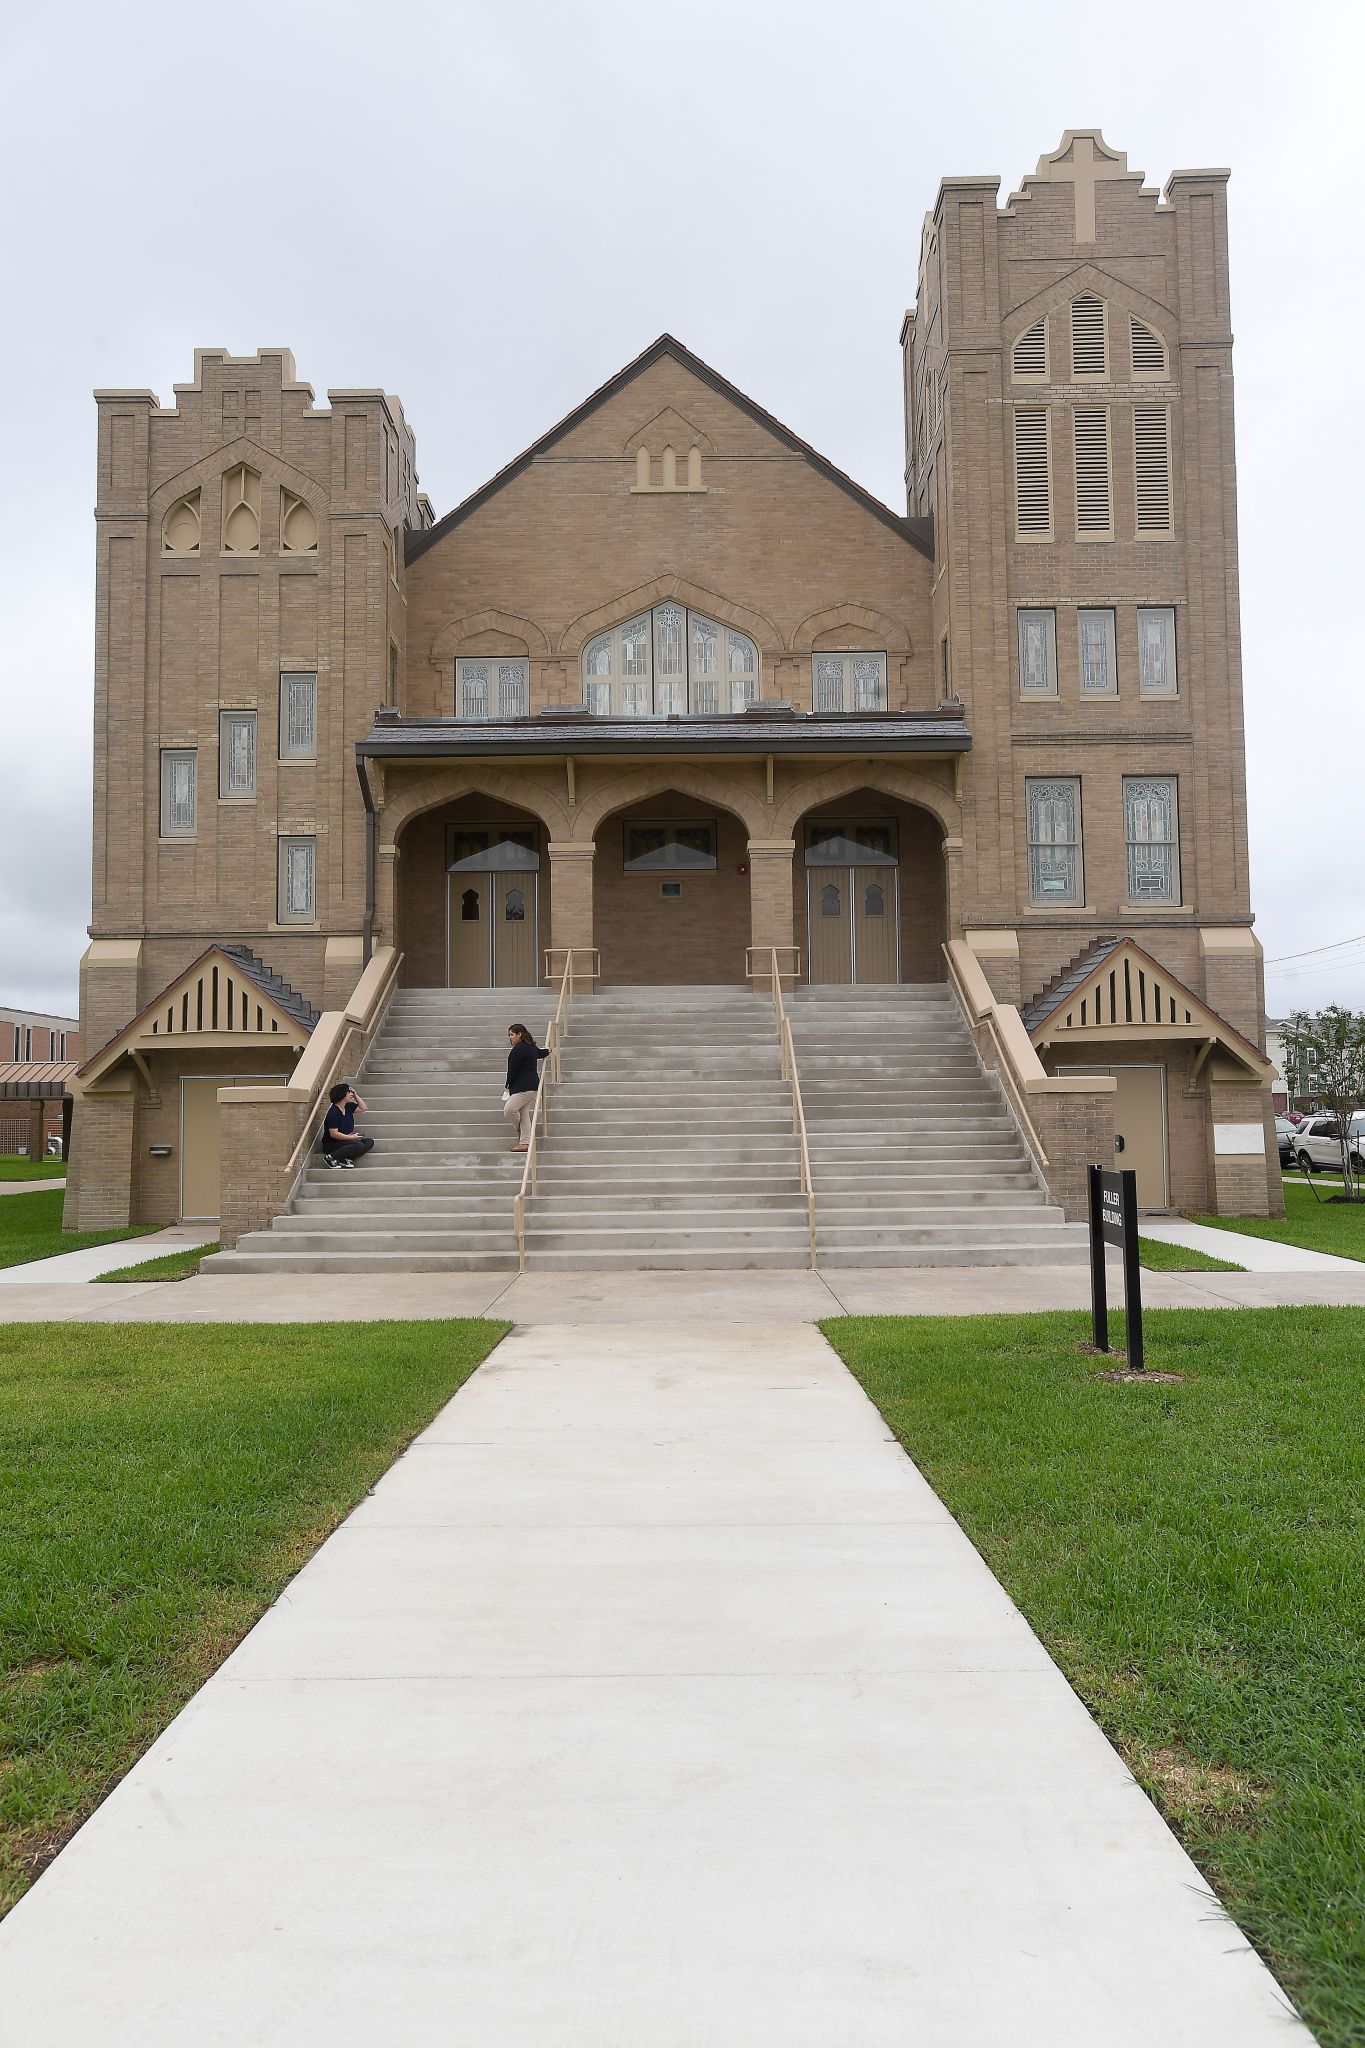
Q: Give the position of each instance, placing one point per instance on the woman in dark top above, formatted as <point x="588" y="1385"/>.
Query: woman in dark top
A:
<point x="519" y="1101"/>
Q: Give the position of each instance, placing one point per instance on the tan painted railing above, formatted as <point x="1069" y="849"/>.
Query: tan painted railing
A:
<point x="788" y="1057"/>
<point x="338" y="1035"/>
<point x="554" y="1039"/>
<point x="1016" y="1064"/>
<point x="758" y="962"/>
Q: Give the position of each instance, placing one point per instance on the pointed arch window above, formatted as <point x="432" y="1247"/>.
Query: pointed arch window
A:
<point x="180" y="527"/>
<point x="242" y="511"/>
<point x="298" y="525"/>
<point x="670" y="663"/>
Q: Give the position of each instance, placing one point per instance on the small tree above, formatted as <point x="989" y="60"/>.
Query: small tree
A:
<point x="1331" y="1045"/>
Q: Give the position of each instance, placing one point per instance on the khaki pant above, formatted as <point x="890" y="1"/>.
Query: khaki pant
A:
<point x="520" y="1111"/>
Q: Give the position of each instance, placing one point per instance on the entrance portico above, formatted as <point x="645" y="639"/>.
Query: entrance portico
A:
<point x="666" y="848"/>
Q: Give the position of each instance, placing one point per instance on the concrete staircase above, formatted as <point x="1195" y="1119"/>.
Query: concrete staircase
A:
<point x="670" y="1143"/>
<point x="915" y="1159"/>
<point x="435" y="1195"/>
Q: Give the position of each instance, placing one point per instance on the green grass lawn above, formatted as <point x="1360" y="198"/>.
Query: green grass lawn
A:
<point x="31" y="1228"/>
<point x="1158" y="1255"/>
<point x="12" y="1167"/>
<point x="158" y="1487"/>
<point x="175" y="1266"/>
<point x="1318" y="1225"/>
<point x="1193" y="1556"/>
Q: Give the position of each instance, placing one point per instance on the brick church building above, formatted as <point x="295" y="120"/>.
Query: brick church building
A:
<point x="671" y="692"/>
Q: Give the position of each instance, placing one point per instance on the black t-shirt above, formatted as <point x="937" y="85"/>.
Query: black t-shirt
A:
<point x="339" y="1122"/>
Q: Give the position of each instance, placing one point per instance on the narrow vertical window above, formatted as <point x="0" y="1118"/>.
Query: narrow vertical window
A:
<point x="297" y="881"/>
<point x="1152" y="468"/>
<point x="180" y="527"/>
<point x="1032" y="473"/>
<point x="1149" y="350"/>
<point x="241" y="511"/>
<point x="471" y="688"/>
<point x="298" y="714"/>
<point x="1157" y="674"/>
<point x="1054" y="840"/>
<point x="393" y="672"/>
<point x="1038" y="653"/>
<point x="298" y="525"/>
<point x="512" y="680"/>
<point x="1089" y="338"/>
<point x="1099" y="669"/>
<point x="1028" y="359"/>
<point x="236" y="754"/>
<point x="179" y="792"/>
<point x="1094" y="498"/>
<point x="742" y="664"/>
<point x="1152" y="833"/>
<point x="946" y="681"/>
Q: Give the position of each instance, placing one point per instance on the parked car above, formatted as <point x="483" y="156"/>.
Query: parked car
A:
<point x="1284" y="1132"/>
<point x="1317" y="1143"/>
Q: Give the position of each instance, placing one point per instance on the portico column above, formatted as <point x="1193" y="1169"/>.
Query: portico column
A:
<point x="386" y="894"/>
<point x="770" y="906"/>
<point x="570" y="903"/>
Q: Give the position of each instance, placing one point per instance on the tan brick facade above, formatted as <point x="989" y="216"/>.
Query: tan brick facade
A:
<point x="671" y="488"/>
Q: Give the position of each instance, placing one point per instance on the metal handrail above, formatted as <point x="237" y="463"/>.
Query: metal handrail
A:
<point x="1004" y="1065"/>
<point x="788" y="1059"/>
<point x="540" y="1117"/>
<point x="359" y="1023"/>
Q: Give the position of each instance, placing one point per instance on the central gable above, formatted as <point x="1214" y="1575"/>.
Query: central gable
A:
<point x="668" y="384"/>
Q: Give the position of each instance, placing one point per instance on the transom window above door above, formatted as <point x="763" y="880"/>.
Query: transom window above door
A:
<point x="492" y="686"/>
<point x="848" y="682"/>
<point x="670" y="663"/>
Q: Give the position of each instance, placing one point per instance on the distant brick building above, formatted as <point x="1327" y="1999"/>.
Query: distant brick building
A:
<point x="38" y="1055"/>
<point x="671" y="686"/>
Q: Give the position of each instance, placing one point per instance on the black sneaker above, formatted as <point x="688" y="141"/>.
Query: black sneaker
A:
<point x="328" y="1160"/>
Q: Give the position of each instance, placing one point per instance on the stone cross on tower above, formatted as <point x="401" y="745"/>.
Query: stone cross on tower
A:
<point x="1083" y="161"/>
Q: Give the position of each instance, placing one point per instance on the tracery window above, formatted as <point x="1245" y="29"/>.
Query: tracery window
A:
<point x="492" y="687"/>
<point x="298" y="525"/>
<point x="848" y="682"/>
<point x="1152" y="833"/>
<point x="668" y="663"/>
<point x="1054" y="840"/>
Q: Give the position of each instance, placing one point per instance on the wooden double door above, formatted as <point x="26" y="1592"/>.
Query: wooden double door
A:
<point x="492" y="930"/>
<point x="853" y="922"/>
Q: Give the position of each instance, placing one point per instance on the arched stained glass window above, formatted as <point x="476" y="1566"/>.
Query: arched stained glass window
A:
<point x="670" y="662"/>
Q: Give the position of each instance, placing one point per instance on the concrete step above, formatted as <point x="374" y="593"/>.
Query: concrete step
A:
<point x="949" y="1256"/>
<point x="352" y="1261"/>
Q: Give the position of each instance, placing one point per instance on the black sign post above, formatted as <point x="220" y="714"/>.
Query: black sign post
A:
<point x="1113" y="1220"/>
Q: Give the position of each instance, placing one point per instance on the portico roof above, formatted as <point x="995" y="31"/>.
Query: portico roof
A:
<point x="746" y="732"/>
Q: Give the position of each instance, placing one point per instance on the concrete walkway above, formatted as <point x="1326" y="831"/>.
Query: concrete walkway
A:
<point x="651" y="1700"/>
<point x="79" y="1267"/>
<point x="29" y="1187"/>
<point x="1255" y="1254"/>
<point x="583" y="1298"/>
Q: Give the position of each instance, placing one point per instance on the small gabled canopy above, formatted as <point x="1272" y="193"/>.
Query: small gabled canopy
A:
<point x="35" y="1080"/>
<point x="1114" y="989"/>
<point x="228" y="996"/>
<point x="919" y="533"/>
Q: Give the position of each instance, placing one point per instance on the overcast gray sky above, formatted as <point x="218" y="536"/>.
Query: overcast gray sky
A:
<point x="489" y="210"/>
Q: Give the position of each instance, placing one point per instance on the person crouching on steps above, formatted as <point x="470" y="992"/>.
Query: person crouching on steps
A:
<point x="341" y="1144"/>
<point x="519" y="1096"/>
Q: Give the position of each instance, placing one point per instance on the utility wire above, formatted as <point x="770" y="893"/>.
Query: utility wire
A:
<point x="1309" y="951"/>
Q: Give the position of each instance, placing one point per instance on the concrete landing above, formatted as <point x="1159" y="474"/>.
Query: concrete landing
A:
<point x="652" y="1697"/>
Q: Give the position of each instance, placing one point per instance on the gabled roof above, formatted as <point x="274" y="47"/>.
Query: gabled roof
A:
<point x="918" y="532"/>
<point x="1114" y="989"/>
<point x="228" y="994"/>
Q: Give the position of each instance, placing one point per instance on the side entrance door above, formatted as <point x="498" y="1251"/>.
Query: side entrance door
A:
<point x="1140" y="1128"/>
<point x="199" y="1141"/>
<point x="492" y="926"/>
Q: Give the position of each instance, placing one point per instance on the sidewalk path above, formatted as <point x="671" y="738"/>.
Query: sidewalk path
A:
<point x="586" y="1298"/>
<point x="80" y="1267"/>
<point x="1256" y="1254"/>
<point x="29" y="1187"/>
<point x="652" y="1698"/>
